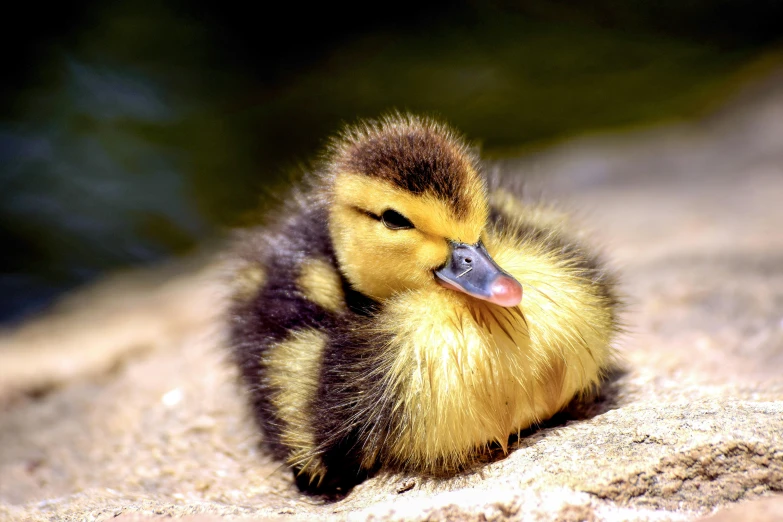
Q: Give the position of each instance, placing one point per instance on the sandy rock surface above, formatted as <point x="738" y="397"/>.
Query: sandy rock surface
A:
<point x="119" y="401"/>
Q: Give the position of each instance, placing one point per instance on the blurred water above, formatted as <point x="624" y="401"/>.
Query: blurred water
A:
<point x="86" y="190"/>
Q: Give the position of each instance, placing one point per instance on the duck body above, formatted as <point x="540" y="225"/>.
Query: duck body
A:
<point x="381" y="321"/>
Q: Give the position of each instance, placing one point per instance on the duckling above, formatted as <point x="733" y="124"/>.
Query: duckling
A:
<point x="405" y="311"/>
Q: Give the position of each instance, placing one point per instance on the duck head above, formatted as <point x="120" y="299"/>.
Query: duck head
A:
<point x="408" y="210"/>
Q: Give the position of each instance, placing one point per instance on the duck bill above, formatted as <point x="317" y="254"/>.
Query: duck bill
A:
<point x="471" y="270"/>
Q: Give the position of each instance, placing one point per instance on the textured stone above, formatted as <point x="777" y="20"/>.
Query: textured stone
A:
<point x="120" y="401"/>
<point x="768" y="509"/>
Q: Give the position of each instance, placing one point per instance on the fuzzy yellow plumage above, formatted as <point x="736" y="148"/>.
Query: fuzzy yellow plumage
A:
<point x="390" y="326"/>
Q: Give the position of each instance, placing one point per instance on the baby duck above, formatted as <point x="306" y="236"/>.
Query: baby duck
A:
<point x="381" y="321"/>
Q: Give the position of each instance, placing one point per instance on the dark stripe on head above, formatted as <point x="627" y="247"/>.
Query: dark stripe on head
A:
<point x="416" y="155"/>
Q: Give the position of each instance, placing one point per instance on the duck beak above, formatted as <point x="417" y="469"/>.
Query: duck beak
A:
<point x="471" y="270"/>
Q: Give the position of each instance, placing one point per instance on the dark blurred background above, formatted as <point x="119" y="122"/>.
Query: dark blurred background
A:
<point x="133" y="131"/>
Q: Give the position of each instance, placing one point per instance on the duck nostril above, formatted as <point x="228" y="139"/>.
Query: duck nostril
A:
<point x="468" y="260"/>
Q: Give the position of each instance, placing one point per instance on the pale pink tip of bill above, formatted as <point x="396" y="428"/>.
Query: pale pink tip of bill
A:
<point x="506" y="291"/>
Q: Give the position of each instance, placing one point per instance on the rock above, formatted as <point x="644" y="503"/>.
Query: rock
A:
<point x="120" y="401"/>
<point x="761" y="510"/>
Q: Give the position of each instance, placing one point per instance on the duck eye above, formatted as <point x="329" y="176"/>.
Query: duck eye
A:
<point x="393" y="220"/>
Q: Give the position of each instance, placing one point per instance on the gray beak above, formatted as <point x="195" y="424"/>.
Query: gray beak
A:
<point x="471" y="270"/>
